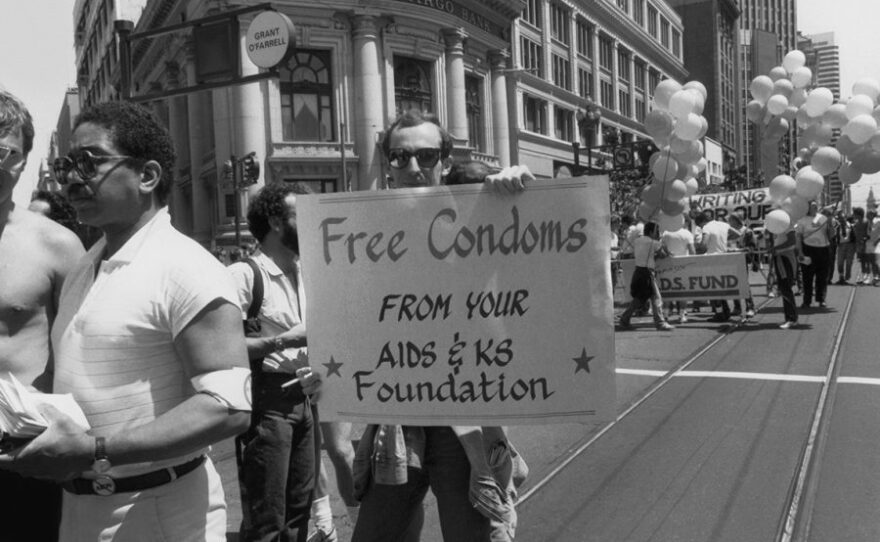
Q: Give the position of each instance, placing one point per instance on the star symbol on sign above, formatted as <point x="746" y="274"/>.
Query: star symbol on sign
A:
<point x="333" y="367"/>
<point x="583" y="361"/>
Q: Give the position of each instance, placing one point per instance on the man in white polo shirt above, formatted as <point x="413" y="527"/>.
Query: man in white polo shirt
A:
<point x="147" y="338"/>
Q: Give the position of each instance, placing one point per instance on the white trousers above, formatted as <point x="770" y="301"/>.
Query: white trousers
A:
<point x="189" y="509"/>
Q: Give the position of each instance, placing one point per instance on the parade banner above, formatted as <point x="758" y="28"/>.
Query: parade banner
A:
<point x="460" y="306"/>
<point x="686" y="278"/>
<point x="754" y="204"/>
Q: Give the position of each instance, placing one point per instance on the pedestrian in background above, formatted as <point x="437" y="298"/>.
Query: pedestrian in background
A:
<point x="813" y="238"/>
<point x="643" y="286"/>
<point x="846" y="247"/>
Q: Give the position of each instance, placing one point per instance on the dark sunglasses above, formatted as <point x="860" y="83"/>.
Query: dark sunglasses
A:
<point x="9" y="157"/>
<point x="426" y="158"/>
<point x="84" y="162"/>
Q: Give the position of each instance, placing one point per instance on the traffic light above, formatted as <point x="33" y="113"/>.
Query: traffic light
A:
<point x="228" y="170"/>
<point x="251" y="169"/>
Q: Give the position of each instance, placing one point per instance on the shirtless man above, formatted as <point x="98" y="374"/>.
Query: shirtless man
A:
<point x="35" y="254"/>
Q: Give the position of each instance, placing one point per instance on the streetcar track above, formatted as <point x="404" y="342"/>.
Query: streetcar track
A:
<point x="638" y="401"/>
<point x="796" y="521"/>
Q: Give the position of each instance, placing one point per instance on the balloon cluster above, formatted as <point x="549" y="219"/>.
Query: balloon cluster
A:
<point x="785" y="96"/>
<point x="676" y="125"/>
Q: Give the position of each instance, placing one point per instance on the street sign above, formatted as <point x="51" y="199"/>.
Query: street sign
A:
<point x="269" y="39"/>
<point x="623" y="157"/>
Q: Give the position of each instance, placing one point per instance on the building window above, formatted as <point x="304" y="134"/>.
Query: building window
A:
<point x="585" y="81"/>
<point x="564" y="124"/>
<point x="535" y="114"/>
<point x="676" y="43"/>
<point x="664" y="32"/>
<point x="639" y="12"/>
<point x="606" y="52"/>
<point x="318" y="186"/>
<point x="412" y="85"/>
<point x="652" y="21"/>
<point x="559" y="23"/>
<point x="623" y="5"/>
<point x="623" y="65"/>
<point x="639" y="75"/>
<point x="641" y="109"/>
<point x="623" y="100"/>
<point x="561" y="72"/>
<point x="531" y="56"/>
<point x="653" y="81"/>
<point x="307" y="97"/>
<point x="606" y="94"/>
<point x="474" y="104"/>
<point x="532" y="13"/>
<point x="584" y="39"/>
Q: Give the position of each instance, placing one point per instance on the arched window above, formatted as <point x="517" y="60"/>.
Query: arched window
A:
<point x="412" y="85"/>
<point x="307" y="97"/>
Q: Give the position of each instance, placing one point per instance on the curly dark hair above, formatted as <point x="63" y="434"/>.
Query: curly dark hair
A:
<point x="60" y="210"/>
<point x="268" y="203"/>
<point x="137" y="132"/>
<point x="14" y="115"/>
<point x="414" y="117"/>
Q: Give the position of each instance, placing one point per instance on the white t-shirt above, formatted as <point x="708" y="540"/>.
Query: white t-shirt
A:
<point x="814" y="230"/>
<point x="677" y="242"/>
<point x="715" y="236"/>
<point x="114" y="335"/>
<point x="629" y="238"/>
<point x="645" y="247"/>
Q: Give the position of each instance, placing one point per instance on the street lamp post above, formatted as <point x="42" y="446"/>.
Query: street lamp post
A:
<point x="587" y="120"/>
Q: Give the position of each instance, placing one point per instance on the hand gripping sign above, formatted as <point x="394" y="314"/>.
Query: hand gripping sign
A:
<point x="455" y="305"/>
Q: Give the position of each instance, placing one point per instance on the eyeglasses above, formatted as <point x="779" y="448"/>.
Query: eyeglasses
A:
<point x="9" y="157"/>
<point x="426" y="158"/>
<point x="84" y="162"/>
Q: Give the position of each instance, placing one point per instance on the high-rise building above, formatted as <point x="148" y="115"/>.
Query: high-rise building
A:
<point x="96" y="45"/>
<point x="768" y="30"/>
<point x="59" y="144"/>
<point x="823" y="58"/>
<point x="612" y="51"/>
<point x="711" y="55"/>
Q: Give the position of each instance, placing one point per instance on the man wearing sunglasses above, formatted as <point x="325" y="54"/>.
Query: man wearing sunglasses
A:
<point x="452" y="461"/>
<point x="147" y="339"/>
<point x="36" y="254"/>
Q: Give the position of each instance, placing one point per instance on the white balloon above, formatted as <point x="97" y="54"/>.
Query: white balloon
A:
<point x="798" y="97"/>
<point x="778" y="73"/>
<point x="860" y="129"/>
<point x="825" y="160"/>
<point x="848" y="174"/>
<point x="793" y="60"/>
<point x="835" y="116"/>
<point x="665" y="168"/>
<point x="818" y="101"/>
<point x="796" y="206"/>
<point x="859" y="105"/>
<point x="682" y="104"/>
<point x="777" y="221"/>
<point x="781" y="187"/>
<point x="761" y="88"/>
<point x="801" y="77"/>
<point x="777" y="104"/>
<point x="688" y="127"/>
<point x="698" y="86"/>
<point x="670" y="223"/>
<point x="664" y="91"/>
<point x="808" y="183"/>
<point x="784" y="87"/>
<point x="867" y="86"/>
<point x="692" y="186"/>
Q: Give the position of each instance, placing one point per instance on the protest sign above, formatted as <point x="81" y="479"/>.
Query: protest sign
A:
<point x="754" y="204"/>
<point x="459" y="306"/>
<point x="705" y="277"/>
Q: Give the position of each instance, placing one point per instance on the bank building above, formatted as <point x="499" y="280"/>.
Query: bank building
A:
<point x="508" y="78"/>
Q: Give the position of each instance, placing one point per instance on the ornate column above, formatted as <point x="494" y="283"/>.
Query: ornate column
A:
<point x="180" y="214"/>
<point x="632" y="84"/>
<point x="200" y="128"/>
<point x="455" y="84"/>
<point x="249" y="118"/>
<point x="615" y="75"/>
<point x="595" y="62"/>
<point x="368" y="105"/>
<point x="500" y="113"/>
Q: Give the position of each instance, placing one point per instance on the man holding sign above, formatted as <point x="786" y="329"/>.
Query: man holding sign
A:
<point x="449" y="460"/>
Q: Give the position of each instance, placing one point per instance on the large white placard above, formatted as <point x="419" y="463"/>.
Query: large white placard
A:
<point x="460" y="306"/>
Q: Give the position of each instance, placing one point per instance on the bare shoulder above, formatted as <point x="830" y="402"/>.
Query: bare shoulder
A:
<point x="45" y="235"/>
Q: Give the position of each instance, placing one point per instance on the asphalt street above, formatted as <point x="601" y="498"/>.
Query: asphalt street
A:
<point x="709" y="443"/>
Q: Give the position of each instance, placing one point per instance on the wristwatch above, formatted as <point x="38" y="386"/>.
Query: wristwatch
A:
<point x="279" y="343"/>
<point x="101" y="465"/>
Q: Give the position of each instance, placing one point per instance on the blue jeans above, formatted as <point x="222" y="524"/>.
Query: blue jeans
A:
<point x="393" y="513"/>
<point x="279" y="467"/>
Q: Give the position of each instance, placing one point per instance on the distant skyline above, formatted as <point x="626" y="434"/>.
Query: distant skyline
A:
<point x="39" y="64"/>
